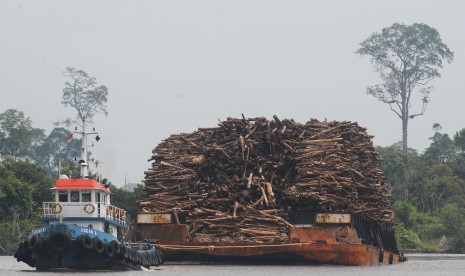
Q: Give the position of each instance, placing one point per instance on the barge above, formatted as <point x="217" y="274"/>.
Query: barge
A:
<point x="315" y="238"/>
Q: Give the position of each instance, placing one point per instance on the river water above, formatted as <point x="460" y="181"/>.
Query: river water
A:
<point x="418" y="264"/>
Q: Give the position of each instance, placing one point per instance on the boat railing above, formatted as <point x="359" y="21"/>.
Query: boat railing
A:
<point x="84" y="210"/>
<point x="116" y="214"/>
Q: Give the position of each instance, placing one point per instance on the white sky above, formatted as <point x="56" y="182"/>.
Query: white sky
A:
<point x="173" y="66"/>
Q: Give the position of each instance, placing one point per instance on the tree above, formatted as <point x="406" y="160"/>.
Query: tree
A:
<point x="55" y="149"/>
<point x="83" y="94"/>
<point x="459" y="160"/>
<point x="17" y="136"/>
<point x="23" y="186"/>
<point x="126" y="199"/>
<point x="398" y="166"/>
<point x="442" y="148"/>
<point x="407" y="58"/>
<point x="88" y="99"/>
<point x="459" y="139"/>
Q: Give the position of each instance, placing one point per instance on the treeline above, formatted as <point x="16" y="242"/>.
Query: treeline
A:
<point x="29" y="162"/>
<point x="429" y="193"/>
<point x="428" y="188"/>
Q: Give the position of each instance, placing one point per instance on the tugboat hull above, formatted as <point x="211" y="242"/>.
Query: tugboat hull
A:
<point x="66" y="246"/>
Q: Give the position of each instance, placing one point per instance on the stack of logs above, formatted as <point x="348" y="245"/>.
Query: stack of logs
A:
<point x="236" y="183"/>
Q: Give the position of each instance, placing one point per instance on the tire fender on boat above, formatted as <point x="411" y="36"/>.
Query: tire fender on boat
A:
<point x="125" y="252"/>
<point x="153" y="257"/>
<point x="144" y="259"/>
<point x="159" y="256"/>
<point x="24" y="246"/>
<point x="59" y="242"/>
<point x="133" y="255"/>
<point x="86" y="242"/>
<point x="98" y="245"/>
<point x="116" y="248"/>
<point x="35" y="243"/>
<point x="109" y="250"/>
<point x="138" y="257"/>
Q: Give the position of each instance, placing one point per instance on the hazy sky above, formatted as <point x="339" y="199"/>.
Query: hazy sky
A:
<point x="173" y="66"/>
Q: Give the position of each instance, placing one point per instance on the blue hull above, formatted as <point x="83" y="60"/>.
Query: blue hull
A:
<point x="74" y="247"/>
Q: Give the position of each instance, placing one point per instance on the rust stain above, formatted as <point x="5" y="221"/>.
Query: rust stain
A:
<point x="153" y="218"/>
<point x="163" y="233"/>
<point x="333" y="218"/>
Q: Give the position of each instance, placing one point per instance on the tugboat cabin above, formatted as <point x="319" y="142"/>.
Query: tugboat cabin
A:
<point x="86" y="203"/>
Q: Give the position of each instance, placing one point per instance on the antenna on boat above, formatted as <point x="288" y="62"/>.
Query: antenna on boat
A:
<point x="83" y="162"/>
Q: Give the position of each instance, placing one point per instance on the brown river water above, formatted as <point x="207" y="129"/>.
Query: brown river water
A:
<point x="417" y="264"/>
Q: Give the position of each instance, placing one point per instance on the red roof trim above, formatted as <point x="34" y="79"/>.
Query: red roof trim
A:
<point x="78" y="184"/>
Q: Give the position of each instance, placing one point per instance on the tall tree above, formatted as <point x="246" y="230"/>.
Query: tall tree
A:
<point x="407" y="58"/>
<point x="88" y="99"/>
<point x="83" y="94"/>
<point x="17" y="136"/>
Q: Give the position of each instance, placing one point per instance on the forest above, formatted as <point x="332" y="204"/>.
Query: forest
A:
<point x="428" y="188"/>
<point x="430" y="206"/>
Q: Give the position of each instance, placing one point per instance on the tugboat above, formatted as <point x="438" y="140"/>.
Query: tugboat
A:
<point x="84" y="231"/>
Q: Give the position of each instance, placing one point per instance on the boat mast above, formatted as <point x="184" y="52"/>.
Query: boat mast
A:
<point x="83" y="162"/>
<point x="84" y="153"/>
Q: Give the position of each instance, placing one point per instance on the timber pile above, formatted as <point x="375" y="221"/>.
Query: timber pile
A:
<point x="237" y="182"/>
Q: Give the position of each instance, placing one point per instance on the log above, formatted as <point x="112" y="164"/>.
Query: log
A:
<point x="233" y="182"/>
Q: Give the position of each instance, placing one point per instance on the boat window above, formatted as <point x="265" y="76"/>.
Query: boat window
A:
<point x="74" y="196"/>
<point x="63" y="196"/>
<point x="85" y="196"/>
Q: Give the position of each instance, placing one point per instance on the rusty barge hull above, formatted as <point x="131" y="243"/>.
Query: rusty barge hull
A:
<point x="326" y="243"/>
<point x="304" y="253"/>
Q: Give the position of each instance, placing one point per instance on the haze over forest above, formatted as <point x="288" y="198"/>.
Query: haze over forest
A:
<point x="175" y="66"/>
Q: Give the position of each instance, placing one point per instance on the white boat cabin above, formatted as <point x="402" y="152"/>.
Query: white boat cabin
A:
<point x="84" y="202"/>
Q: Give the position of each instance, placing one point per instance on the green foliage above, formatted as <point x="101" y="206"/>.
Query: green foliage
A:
<point x="55" y="149"/>
<point x="23" y="187"/>
<point x="127" y="200"/>
<point x="83" y="94"/>
<point x="406" y="57"/>
<point x="428" y="227"/>
<point x="435" y="210"/>
<point x="405" y="213"/>
<point x="459" y="139"/>
<point x="71" y="169"/>
<point x="442" y="149"/>
<point x="454" y="219"/>
<point x="397" y="165"/>
<point x="17" y="136"/>
<point x="405" y="52"/>
<point x="407" y="238"/>
<point x="11" y="233"/>
<point x="457" y="246"/>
